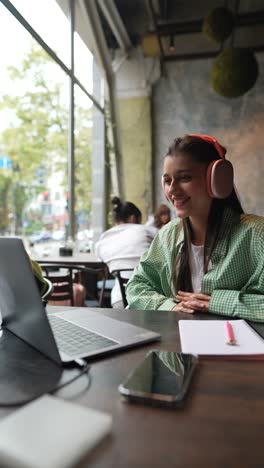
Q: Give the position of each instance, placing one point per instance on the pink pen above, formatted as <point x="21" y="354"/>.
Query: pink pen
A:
<point x="230" y="334"/>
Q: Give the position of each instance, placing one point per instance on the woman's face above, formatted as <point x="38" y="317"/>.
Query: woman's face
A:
<point x="184" y="185"/>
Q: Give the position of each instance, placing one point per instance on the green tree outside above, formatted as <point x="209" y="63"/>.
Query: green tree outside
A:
<point x="38" y="137"/>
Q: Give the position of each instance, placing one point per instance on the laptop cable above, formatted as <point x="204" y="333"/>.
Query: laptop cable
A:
<point x="83" y="367"/>
<point x="77" y="362"/>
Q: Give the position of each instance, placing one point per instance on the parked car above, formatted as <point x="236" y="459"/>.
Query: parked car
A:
<point x="43" y="236"/>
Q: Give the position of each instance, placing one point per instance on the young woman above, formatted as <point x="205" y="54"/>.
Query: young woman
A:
<point x="121" y="246"/>
<point x="211" y="258"/>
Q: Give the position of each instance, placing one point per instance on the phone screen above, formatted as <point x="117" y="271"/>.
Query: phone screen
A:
<point x="163" y="375"/>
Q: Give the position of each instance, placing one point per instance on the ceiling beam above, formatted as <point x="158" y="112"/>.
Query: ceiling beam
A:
<point x="115" y="23"/>
<point x="190" y="27"/>
<point x="203" y="55"/>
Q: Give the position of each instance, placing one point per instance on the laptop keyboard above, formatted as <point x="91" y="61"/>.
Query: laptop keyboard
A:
<point x="74" y="340"/>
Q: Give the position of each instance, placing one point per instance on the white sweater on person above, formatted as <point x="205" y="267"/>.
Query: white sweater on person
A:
<point x="121" y="247"/>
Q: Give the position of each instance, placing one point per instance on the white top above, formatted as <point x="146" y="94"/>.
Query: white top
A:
<point x="121" y="247"/>
<point x="197" y="266"/>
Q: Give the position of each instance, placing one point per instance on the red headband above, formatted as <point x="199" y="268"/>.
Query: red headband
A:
<point x="219" y="148"/>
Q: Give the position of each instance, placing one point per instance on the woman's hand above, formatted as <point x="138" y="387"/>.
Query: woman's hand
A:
<point x="192" y="302"/>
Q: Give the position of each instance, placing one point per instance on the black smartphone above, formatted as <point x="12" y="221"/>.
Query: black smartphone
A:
<point x="162" y="378"/>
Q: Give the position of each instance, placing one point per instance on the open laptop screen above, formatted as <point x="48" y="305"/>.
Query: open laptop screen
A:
<point x="20" y="303"/>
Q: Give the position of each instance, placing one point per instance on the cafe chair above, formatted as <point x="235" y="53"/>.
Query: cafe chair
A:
<point x="61" y="279"/>
<point x="74" y="285"/>
<point x="107" y="283"/>
<point x="95" y="280"/>
<point x="47" y="291"/>
<point x="122" y="279"/>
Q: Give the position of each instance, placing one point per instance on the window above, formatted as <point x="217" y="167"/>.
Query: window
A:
<point x="35" y="116"/>
<point x="49" y="21"/>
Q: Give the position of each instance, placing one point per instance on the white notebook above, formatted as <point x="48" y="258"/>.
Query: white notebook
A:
<point x="50" y="433"/>
<point x="209" y="337"/>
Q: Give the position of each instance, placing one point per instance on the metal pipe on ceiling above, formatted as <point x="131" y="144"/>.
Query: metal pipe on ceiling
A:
<point x="115" y="22"/>
<point x="204" y="55"/>
<point x="189" y="27"/>
<point x="154" y="20"/>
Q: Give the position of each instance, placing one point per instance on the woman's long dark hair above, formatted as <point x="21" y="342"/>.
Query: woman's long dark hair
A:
<point x="123" y="211"/>
<point x="203" y="152"/>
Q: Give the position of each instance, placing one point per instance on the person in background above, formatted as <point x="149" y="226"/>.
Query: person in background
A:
<point x="211" y="258"/>
<point x="162" y="216"/>
<point x="121" y="246"/>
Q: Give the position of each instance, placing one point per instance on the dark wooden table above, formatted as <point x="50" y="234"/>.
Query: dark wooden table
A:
<point x="82" y="259"/>
<point x="220" y="425"/>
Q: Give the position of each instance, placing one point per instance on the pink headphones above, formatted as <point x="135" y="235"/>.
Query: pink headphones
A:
<point x="220" y="173"/>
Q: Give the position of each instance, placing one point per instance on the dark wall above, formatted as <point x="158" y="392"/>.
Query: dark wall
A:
<point x="184" y="102"/>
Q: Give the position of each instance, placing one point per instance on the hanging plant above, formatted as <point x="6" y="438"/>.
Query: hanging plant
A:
<point x="234" y="72"/>
<point x="219" y="24"/>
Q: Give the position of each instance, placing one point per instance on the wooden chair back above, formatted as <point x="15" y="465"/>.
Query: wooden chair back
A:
<point x="64" y="276"/>
<point x="62" y="281"/>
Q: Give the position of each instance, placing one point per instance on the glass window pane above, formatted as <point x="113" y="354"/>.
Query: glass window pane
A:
<point x="49" y="21"/>
<point x="83" y="174"/>
<point x="83" y="63"/>
<point x="34" y="108"/>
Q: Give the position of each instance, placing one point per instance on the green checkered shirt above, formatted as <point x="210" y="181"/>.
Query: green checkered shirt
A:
<point x="235" y="280"/>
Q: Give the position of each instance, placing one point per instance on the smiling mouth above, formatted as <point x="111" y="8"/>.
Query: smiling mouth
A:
<point x="179" y="203"/>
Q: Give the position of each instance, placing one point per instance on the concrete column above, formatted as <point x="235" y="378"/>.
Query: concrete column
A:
<point x="134" y="80"/>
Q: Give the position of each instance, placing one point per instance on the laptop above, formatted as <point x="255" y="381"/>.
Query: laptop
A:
<point x="65" y="336"/>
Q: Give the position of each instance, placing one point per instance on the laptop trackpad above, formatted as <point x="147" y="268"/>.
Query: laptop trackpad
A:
<point x="122" y="332"/>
